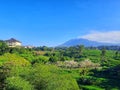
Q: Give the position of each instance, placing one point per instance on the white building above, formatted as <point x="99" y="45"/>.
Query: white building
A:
<point x="13" y="42"/>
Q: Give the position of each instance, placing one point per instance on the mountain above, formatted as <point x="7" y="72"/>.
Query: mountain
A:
<point x="85" y="42"/>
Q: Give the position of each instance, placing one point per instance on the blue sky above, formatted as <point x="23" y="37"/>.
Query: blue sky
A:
<point x="52" y="22"/>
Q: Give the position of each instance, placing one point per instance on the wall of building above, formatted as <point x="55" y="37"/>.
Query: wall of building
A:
<point x="14" y="44"/>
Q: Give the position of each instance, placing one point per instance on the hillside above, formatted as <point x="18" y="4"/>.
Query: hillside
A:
<point x="69" y="68"/>
<point x="85" y="42"/>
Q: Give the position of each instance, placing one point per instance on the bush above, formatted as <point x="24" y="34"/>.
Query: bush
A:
<point x="87" y="80"/>
<point x="88" y="64"/>
<point x="62" y="82"/>
<point x="48" y="77"/>
<point x="41" y="59"/>
<point x="17" y="83"/>
<point x="53" y="59"/>
<point x="91" y="88"/>
<point x="13" y="60"/>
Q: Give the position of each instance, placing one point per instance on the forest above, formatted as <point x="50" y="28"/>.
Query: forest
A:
<point x="60" y="68"/>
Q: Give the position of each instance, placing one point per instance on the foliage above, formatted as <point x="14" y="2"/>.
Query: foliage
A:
<point x="3" y="47"/>
<point x="40" y="59"/>
<point x="17" y="83"/>
<point x="45" y="68"/>
<point x="91" y="88"/>
<point x="46" y="77"/>
<point x="12" y="60"/>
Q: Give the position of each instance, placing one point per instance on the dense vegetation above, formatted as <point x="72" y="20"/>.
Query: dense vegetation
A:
<point x="73" y="68"/>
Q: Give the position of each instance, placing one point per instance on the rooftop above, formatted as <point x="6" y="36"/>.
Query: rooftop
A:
<point x="12" y="40"/>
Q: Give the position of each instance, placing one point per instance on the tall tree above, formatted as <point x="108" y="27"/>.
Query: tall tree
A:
<point x="103" y="56"/>
<point x="81" y="48"/>
<point x="117" y="54"/>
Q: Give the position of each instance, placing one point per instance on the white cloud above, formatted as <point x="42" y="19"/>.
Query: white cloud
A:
<point x="108" y="37"/>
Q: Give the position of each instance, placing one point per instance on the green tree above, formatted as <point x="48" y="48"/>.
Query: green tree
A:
<point x="17" y="83"/>
<point x="53" y="59"/>
<point x="9" y="66"/>
<point x="3" y="47"/>
<point x="103" y="56"/>
<point x="62" y="82"/>
<point x="81" y="48"/>
<point x="48" y="77"/>
<point x="117" y="55"/>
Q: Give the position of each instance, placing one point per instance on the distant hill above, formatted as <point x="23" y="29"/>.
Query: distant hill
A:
<point x="85" y="42"/>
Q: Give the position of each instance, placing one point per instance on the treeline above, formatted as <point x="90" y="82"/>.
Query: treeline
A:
<point x="106" y="47"/>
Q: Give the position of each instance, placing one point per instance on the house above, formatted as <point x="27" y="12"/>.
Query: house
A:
<point x="30" y="47"/>
<point x="13" y="42"/>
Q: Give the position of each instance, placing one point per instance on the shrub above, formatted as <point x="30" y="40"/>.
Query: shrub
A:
<point x="88" y="64"/>
<point x="13" y="60"/>
<point x="17" y="83"/>
<point x="91" y="88"/>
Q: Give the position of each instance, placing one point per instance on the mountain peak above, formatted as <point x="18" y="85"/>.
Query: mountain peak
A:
<point x="85" y="42"/>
